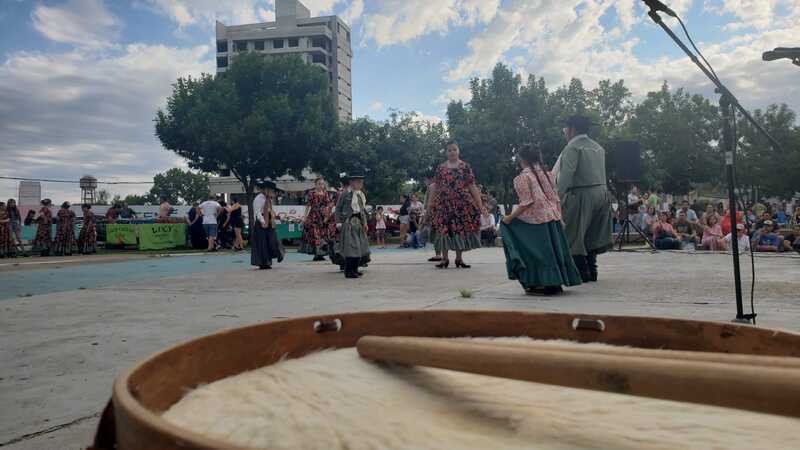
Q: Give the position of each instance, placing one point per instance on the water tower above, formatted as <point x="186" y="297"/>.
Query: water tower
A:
<point x="88" y="188"/>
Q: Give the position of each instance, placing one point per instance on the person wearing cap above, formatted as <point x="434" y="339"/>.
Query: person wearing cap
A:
<point x="44" y="234"/>
<point x="264" y="245"/>
<point x="744" y="240"/>
<point x="65" y="242"/>
<point x="767" y="240"/>
<point x="352" y="248"/>
<point x="585" y="201"/>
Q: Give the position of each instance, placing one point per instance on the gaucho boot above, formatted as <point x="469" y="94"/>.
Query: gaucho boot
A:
<point x="591" y="263"/>
<point x="583" y="267"/>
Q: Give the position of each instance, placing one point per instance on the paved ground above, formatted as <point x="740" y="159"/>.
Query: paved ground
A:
<point x="62" y="347"/>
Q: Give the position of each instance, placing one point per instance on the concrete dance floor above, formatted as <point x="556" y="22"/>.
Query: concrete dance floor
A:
<point x="68" y="327"/>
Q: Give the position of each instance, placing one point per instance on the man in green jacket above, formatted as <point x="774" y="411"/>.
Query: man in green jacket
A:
<point x="351" y="219"/>
<point x="585" y="201"/>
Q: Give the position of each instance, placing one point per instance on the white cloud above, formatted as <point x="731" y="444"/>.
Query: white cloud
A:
<point x="376" y="106"/>
<point x="205" y="12"/>
<point x="400" y="21"/>
<point x="562" y="39"/>
<point x="353" y="13"/>
<point x="83" y="23"/>
<point x="67" y="114"/>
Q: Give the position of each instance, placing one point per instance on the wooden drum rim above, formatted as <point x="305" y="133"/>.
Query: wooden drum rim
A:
<point x="142" y="426"/>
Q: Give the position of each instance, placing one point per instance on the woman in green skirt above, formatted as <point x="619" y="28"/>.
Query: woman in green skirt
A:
<point x="537" y="253"/>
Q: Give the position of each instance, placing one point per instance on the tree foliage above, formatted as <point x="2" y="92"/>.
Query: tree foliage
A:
<point x="388" y="153"/>
<point x="179" y="187"/>
<point x="678" y="132"/>
<point x="263" y="118"/>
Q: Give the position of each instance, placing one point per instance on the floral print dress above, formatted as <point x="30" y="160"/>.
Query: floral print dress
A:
<point x="87" y="240"/>
<point x="8" y="248"/>
<point x="318" y="228"/>
<point x="456" y="219"/>
<point x="44" y="233"/>
<point x="64" y="243"/>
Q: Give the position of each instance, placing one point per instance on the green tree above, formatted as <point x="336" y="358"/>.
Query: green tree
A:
<point x="388" y="153"/>
<point x="761" y="168"/>
<point x="179" y="187"/>
<point x="138" y="200"/>
<point x="263" y="118"/>
<point x="102" y="197"/>
<point x="678" y="133"/>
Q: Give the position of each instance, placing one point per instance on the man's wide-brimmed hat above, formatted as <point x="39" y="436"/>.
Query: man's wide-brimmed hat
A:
<point x="579" y="121"/>
<point x="267" y="184"/>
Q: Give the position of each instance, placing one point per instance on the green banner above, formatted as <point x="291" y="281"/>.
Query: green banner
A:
<point x="161" y="235"/>
<point x="121" y="234"/>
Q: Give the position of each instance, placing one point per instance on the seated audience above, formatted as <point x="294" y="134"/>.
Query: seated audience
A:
<point x="743" y="239"/>
<point x="767" y="240"/>
<point x="691" y="216"/>
<point x="712" y="234"/>
<point x="686" y="230"/>
<point x="488" y="230"/>
<point x="664" y="234"/>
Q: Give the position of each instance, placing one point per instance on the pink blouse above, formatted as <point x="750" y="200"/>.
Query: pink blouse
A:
<point x="537" y="188"/>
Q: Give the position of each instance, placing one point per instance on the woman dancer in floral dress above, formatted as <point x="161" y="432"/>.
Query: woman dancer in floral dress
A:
<point x="456" y="208"/>
<point x="87" y="240"/>
<point x="64" y="243"/>
<point x="318" y="230"/>
<point x="8" y="246"/>
<point x="44" y="234"/>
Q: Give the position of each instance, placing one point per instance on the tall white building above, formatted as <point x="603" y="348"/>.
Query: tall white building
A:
<point x="323" y="41"/>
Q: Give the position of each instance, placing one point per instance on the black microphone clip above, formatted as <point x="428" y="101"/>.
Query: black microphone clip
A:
<point x="657" y="6"/>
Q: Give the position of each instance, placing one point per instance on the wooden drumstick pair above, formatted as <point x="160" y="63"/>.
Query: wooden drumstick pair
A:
<point x="756" y="383"/>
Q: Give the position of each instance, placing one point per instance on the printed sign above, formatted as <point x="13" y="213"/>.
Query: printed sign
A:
<point x="161" y="235"/>
<point x="121" y="234"/>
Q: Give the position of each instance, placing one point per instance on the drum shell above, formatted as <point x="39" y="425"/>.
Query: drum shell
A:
<point x="141" y="394"/>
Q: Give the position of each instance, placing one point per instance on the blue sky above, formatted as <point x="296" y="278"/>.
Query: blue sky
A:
<point x="80" y="80"/>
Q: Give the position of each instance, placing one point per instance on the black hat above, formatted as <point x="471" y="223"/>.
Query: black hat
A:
<point x="355" y="177"/>
<point x="267" y="184"/>
<point x="578" y="121"/>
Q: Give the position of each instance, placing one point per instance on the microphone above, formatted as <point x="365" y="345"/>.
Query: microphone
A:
<point x="782" y="52"/>
<point x="656" y="6"/>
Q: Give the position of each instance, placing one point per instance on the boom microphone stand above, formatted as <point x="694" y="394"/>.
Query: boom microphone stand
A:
<point x="728" y="104"/>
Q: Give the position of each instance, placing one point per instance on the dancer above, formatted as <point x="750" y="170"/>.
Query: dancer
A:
<point x="15" y="223"/>
<point x="351" y="218"/>
<point x="456" y="208"/>
<point x="426" y="219"/>
<point x="264" y="246"/>
<point x="87" y="240"/>
<point x="44" y="234"/>
<point x="8" y="248"/>
<point x="536" y="249"/>
<point x="585" y="201"/>
<point x="317" y="227"/>
<point x="64" y="243"/>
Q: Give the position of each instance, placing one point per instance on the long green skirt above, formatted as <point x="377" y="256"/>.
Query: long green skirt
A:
<point x="538" y="255"/>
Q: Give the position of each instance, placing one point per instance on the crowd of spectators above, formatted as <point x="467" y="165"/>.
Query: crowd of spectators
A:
<point x="767" y="227"/>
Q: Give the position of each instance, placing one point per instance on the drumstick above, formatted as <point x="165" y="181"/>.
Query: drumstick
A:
<point x="727" y="358"/>
<point x="754" y="388"/>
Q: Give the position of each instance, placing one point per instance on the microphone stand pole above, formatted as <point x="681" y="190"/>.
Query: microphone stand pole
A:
<point x="728" y="105"/>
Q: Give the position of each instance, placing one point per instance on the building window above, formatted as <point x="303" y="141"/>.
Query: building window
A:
<point x="277" y="43"/>
<point x="319" y="42"/>
<point x="348" y="36"/>
<point x="294" y="42"/>
<point x="259" y="45"/>
<point x="222" y="46"/>
<point x="222" y="61"/>
<point x="318" y="58"/>
<point x="240" y="46"/>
